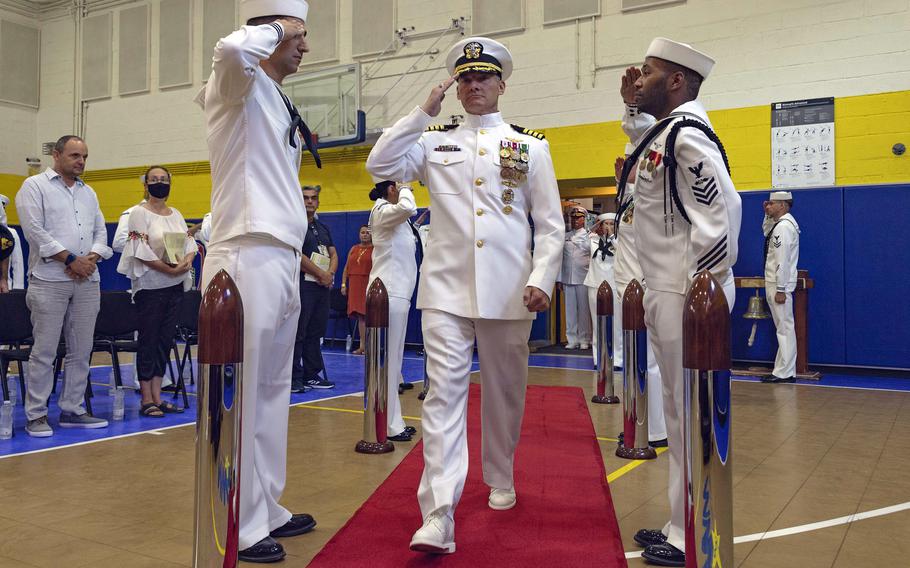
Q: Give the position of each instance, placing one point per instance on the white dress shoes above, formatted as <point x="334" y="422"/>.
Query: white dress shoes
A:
<point x="502" y="499"/>
<point x="584" y="346"/>
<point x="436" y="536"/>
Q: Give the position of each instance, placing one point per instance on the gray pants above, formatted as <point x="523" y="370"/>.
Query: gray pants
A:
<point x="71" y="307"/>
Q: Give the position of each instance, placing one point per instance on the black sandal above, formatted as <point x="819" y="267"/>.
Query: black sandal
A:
<point x="151" y="410"/>
<point x="168" y="408"/>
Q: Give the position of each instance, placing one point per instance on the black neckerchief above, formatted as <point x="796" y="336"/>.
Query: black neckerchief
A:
<point x="297" y="123"/>
<point x="603" y="247"/>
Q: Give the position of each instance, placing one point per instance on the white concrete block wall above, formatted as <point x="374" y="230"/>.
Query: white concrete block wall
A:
<point x="17" y="122"/>
<point x="766" y="51"/>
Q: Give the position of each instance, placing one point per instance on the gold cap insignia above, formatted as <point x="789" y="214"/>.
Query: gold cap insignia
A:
<point x="473" y="50"/>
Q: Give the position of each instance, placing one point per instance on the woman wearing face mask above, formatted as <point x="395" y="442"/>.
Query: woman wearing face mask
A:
<point x="157" y="260"/>
<point x="395" y="263"/>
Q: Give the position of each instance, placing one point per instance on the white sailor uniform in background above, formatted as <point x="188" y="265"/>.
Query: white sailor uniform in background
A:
<point x="472" y="284"/>
<point x="625" y="269"/>
<point x="576" y="256"/>
<point x="671" y="251"/>
<point x="781" y="257"/>
<point x="395" y="263"/>
<point x="16" y="275"/>
<point x="258" y="225"/>
<point x="602" y="252"/>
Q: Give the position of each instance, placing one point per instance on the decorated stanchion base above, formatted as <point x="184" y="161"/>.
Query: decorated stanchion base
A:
<point x="376" y="373"/>
<point x="646" y="453"/>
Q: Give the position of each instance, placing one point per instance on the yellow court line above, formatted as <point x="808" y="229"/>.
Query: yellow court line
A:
<point x="629" y="467"/>
<point x="607" y="439"/>
<point x="336" y="409"/>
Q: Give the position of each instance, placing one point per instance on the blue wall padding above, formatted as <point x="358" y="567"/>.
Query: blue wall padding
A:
<point x="877" y="262"/>
<point x="820" y="215"/>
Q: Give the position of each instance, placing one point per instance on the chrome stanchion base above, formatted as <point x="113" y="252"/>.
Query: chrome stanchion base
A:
<point x="364" y="447"/>
<point x="605" y="399"/>
<point x="635" y="453"/>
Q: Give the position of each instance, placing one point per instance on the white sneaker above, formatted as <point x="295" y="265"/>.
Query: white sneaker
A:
<point x="571" y="346"/>
<point x="585" y="346"/>
<point x="502" y="499"/>
<point x="436" y="536"/>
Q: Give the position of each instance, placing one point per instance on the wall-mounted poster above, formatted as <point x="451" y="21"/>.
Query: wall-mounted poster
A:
<point x="802" y="143"/>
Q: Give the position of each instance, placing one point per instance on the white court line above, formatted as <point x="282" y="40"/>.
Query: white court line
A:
<point x="811" y="526"/>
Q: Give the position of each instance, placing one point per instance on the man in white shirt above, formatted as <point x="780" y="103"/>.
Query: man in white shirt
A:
<point x="576" y="256"/>
<point x="781" y="255"/>
<point x="16" y="267"/>
<point x="258" y="225"/>
<point x="687" y="219"/>
<point x="66" y="235"/>
<point x="480" y="280"/>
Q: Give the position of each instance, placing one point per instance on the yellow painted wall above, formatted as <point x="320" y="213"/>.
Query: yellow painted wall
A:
<point x="865" y="129"/>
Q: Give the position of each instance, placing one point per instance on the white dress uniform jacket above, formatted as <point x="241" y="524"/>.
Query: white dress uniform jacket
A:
<point x="576" y="257"/>
<point x="671" y="251"/>
<point x="476" y="246"/>
<point x="783" y="254"/>
<point x="253" y="185"/>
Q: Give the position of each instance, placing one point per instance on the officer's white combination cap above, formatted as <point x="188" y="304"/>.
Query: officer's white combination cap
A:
<point x="605" y="217"/>
<point x="781" y="196"/>
<point x="681" y="54"/>
<point x="257" y="8"/>
<point x="480" y="54"/>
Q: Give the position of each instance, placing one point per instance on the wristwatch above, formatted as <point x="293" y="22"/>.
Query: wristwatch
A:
<point x="69" y="259"/>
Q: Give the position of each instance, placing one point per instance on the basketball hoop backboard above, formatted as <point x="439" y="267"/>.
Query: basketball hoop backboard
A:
<point x="329" y="102"/>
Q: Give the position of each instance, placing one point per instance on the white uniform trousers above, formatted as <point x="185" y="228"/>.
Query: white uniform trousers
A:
<point x="663" y="317"/>
<point x="266" y="272"/>
<point x="782" y="314"/>
<point x="502" y="347"/>
<point x="617" y="325"/>
<point x="398" y="327"/>
<point x="578" y="322"/>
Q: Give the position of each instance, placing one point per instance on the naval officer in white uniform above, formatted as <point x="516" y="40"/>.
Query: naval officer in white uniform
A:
<point x="255" y="136"/>
<point x="16" y="271"/>
<point x="677" y="235"/>
<point x="576" y="257"/>
<point x="395" y="263"/>
<point x="781" y="255"/>
<point x="481" y="281"/>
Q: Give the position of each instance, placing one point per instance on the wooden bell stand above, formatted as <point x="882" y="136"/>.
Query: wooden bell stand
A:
<point x="800" y="321"/>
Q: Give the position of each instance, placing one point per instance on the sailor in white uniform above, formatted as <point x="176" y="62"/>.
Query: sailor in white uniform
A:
<point x="255" y="136"/>
<point x="481" y="281"/>
<point x="395" y="263"/>
<point x="686" y="220"/>
<point x="16" y="272"/>
<point x="576" y="256"/>
<point x="781" y="256"/>
<point x="603" y="253"/>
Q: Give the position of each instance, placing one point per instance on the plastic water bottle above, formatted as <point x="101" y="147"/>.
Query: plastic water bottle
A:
<point x="118" y="404"/>
<point x="112" y="389"/>
<point x="13" y="391"/>
<point x="348" y="343"/>
<point x="6" y="420"/>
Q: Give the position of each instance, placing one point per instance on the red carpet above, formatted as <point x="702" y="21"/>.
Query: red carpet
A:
<point x="564" y="516"/>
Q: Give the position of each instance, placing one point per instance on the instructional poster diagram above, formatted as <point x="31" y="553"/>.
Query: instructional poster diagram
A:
<point x="802" y="143"/>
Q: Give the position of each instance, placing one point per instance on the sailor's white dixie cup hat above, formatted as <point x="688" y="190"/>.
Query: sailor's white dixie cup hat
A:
<point x="681" y="54"/>
<point x="257" y="8"/>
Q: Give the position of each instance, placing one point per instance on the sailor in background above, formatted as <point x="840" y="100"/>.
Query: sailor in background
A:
<point x="485" y="179"/>
<point x="16" y="271"/>
<point x="395" y="263"/>
<point x="687" y="219"/>
<point x="781" y="256"/>
<point x="576" y="256"/>
<point x="603" y="254"/>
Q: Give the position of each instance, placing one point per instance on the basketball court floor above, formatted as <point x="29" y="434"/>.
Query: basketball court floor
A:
<point x="820" y="474"/>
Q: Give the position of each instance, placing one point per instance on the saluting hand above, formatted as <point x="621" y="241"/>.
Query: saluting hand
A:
<point x="433" y="106"/>
<point x="292" y="28"/>
<point x="627" y="88"/>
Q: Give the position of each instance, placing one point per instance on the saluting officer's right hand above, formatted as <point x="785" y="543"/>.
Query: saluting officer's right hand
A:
<point x="627" y="87"/>
<point x="433" y="106"/>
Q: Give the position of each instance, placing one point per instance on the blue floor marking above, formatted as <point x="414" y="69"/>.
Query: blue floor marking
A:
<point x="344" y="369"/>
